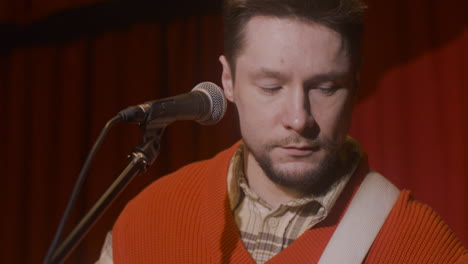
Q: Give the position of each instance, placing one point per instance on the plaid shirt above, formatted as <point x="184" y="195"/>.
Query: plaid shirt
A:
<point x="265" y="231"/>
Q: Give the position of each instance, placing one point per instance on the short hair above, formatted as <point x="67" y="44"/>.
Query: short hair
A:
<point x="342" y="16"/>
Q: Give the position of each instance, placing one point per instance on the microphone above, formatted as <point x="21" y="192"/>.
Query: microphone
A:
<point x="205" y="104"/>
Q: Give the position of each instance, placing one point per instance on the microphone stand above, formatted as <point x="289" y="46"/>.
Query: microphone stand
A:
<point x="141" y="159"/>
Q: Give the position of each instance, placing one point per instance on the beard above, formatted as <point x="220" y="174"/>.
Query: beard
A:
<point x="329" y="170"/>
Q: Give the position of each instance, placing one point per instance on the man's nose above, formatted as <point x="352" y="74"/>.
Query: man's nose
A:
<point x="297" y="114"/>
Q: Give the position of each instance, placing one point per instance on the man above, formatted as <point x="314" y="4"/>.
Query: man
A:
<point x="296" y="189"/>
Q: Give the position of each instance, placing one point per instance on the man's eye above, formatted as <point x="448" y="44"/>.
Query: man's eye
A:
<point x="270" y="89"/>
<point x="328" y="90"/>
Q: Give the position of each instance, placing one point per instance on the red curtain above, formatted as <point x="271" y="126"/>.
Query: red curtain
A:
<point x="413" y="119"/>
<point x="56" y="93"/>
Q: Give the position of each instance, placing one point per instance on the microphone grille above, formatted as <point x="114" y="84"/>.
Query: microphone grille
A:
<point x="217" y="99"/>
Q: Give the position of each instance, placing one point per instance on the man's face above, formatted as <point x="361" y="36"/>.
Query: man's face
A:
<point x="294" y="92"/>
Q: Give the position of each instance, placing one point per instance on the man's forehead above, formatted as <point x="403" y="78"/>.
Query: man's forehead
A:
<point x="263" y="21"/>
<point x="275" y="47"/>
<point x="267" y="30"/>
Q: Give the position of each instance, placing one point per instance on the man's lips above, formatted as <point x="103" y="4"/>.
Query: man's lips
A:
<point x="298" y="150"/>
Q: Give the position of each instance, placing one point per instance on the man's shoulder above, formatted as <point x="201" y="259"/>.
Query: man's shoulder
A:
<point x="171" y="212"/>
<point x="195" y="173"/>
<point x="414" y="232"/>
<point x="175" y="188"/>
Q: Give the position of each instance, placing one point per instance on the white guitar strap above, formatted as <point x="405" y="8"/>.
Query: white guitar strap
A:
<point x="362" y="221"/>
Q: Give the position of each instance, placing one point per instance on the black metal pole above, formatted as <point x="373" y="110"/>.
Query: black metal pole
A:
<point x="141" y="159"/>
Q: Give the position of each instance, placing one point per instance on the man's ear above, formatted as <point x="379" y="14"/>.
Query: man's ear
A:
<point x="227" y="79"/>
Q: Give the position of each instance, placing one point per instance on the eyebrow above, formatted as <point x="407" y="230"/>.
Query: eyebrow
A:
<point x="264" y="73"/>
<point x="327" y="77"/>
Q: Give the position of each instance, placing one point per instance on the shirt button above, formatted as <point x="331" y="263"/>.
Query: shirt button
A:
<point x="273" y="222"/>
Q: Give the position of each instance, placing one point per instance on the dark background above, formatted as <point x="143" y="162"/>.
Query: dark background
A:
<point x="66" y="67"/>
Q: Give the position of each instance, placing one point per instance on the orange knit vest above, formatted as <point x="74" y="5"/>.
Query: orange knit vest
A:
<point x="185" y="218"/>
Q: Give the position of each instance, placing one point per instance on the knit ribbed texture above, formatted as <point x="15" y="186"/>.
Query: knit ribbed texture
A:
<point x="185" y="217"/>
<point x="414" y="233"/>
